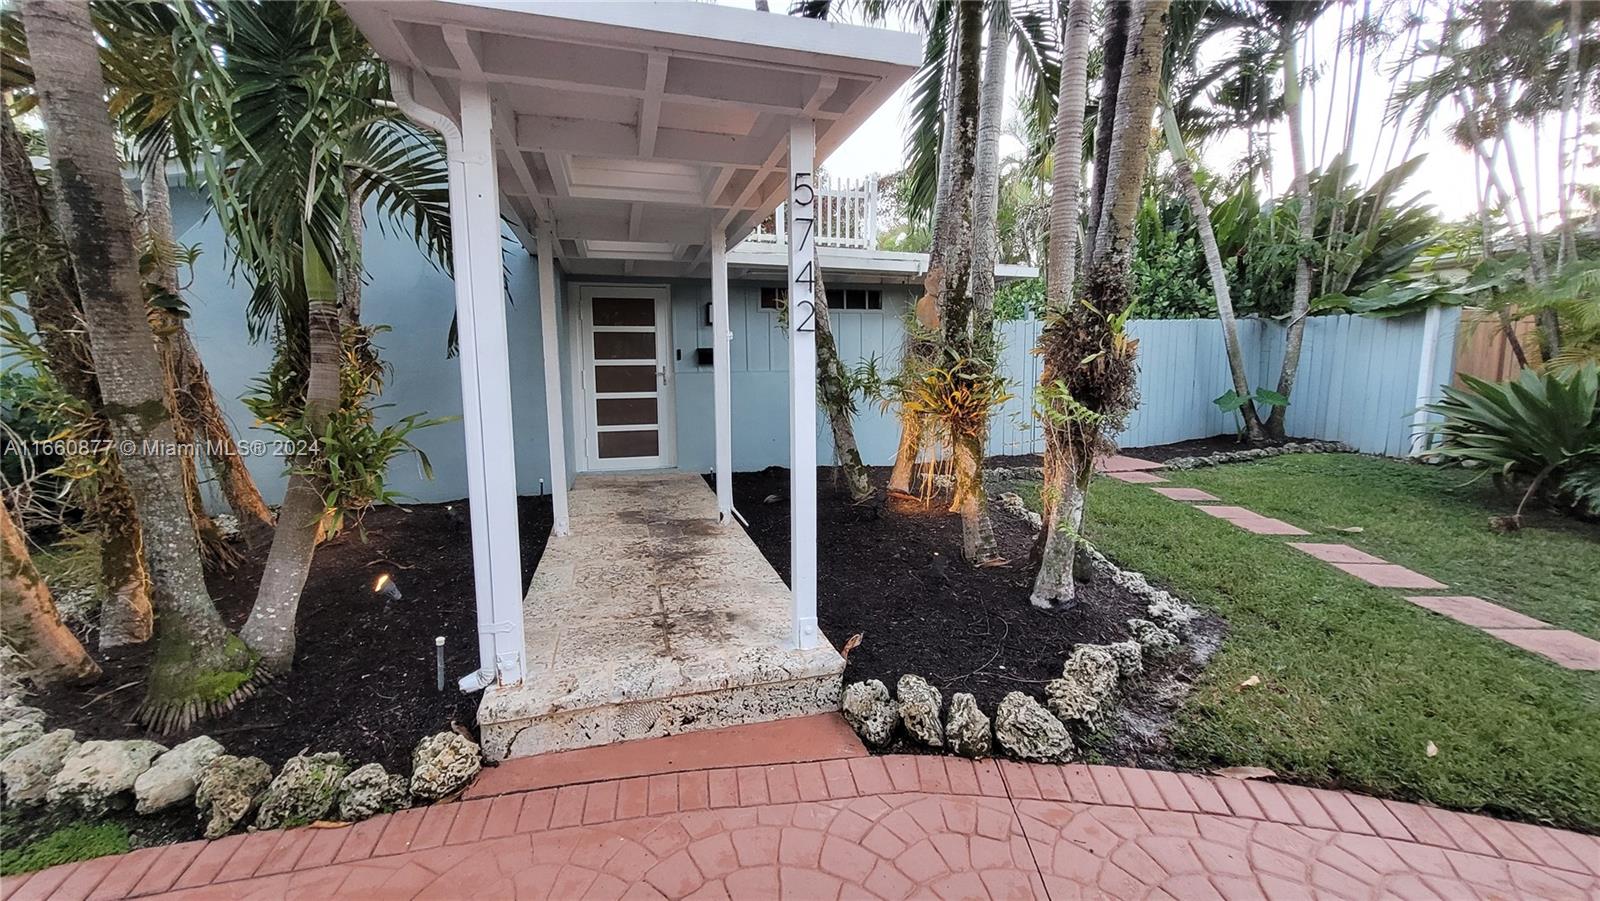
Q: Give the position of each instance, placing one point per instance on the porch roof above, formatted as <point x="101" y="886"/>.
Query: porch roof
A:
<point x="635" y="130"/>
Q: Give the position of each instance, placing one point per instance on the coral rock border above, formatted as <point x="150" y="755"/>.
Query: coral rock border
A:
<point x="1021" y="727"/>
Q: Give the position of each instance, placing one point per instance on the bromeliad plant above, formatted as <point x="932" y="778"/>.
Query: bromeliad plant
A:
<point x="1543" y="429"/>
<point x="952" y="401"/>
<point x="348" y="458"/>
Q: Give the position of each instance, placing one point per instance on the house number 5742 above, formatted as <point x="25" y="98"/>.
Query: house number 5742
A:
<point x="802" y="201"/>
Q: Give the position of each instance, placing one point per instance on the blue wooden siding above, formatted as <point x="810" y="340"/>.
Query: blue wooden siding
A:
<point x="1357" y="379"/>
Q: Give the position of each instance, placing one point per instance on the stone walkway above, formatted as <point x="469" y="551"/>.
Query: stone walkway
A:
<point x="866" y="827"/>
<point x="1565" y="647"/>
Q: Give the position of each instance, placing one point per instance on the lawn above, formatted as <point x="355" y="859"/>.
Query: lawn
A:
<point x="1355" y="681"/>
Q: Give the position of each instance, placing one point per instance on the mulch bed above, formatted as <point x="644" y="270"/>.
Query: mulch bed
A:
<point x="893" y="574"/>
<point x="364" y="679"/>
<point x="1160" y="453"/>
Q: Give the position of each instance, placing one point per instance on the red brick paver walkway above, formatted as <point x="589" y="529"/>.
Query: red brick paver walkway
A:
<point x="872" y="827"/>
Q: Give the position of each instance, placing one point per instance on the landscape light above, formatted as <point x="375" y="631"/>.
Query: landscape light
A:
<point x="386" y="587"/>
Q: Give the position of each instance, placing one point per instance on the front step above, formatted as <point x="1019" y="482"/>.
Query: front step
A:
<point x="652" y="619"/>
<point x="523" y="721"/>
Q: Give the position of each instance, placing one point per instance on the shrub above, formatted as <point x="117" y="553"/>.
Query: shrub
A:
<point x="1542" y="428"/>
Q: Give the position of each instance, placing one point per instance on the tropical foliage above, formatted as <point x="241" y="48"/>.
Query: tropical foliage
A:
<point x="1540" y="432"/>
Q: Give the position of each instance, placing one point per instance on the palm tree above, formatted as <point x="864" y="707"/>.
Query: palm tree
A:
<point x="1188" y="31"/>
<point x="295" y="106"/>
<point x="146" y="93"/>
<point x="1088" y="380"/>
<point x="966" y="361"/>
<point x="126" y="615"/>
<point x="1062" y="491"/>
<point x="1289" y="18"/>
<point x="30" y="620"/>
<point x="199" y="666"/>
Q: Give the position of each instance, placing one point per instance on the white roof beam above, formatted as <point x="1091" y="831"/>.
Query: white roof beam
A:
<point x="554" y="134"/>
<point x="655" y="81"/>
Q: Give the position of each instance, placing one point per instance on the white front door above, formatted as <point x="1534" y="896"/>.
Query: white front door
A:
<point x="627" y="376"/>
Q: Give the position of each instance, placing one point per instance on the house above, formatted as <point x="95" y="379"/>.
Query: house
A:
<point x="631" y="148"/>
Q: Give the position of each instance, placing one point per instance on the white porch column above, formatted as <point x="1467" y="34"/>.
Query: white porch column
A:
<point x="486" y="395"/>
<point x="722" y="373"/>
<point x="555" y="429"/>
<point x="802" y="223"/>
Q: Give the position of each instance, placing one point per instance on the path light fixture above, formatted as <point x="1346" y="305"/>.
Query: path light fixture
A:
<point x="438" y="656"/>
<point x="386" y="587"/>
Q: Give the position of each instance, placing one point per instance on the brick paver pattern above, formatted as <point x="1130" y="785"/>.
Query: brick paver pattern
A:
<point x="873" y="827"/>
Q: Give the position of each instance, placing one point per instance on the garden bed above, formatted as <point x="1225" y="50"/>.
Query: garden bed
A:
<point x="364" y="681"/>
<point x="892" y="573"/>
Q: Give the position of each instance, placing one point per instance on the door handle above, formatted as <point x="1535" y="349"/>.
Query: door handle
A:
<point x="661" y="373"/>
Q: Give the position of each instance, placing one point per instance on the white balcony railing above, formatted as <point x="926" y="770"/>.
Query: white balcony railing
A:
<point x="847" y="215"/>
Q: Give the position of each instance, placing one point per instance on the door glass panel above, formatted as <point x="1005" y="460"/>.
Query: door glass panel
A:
<point x="629" y="444"/>
<point x="624" y="311"/>
<point x="617" y="379"/>
<point x="624" y="345"/>
<point x="625" y="411"/>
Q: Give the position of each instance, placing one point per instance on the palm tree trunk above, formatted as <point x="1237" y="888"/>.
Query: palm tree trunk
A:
<point x="1114" y="47"/>
<point x="1054" y="548"/>
<point x="29" y="618"/>
<point x="918" y="350"/>
<point x="833" y="391"/>
<point x="199" y="667"/>
<point x="270" y="630"/>
<point x="196" y="402"/>
<point x="1219" y="276"/>
<point x="1300" y="306"/>
<point x="125" y="611"/>
<point x="986" y="189"/>
<point x="953" y="279"/>
<point x="1066" y="178"/>
<point x="1105" y="386"/>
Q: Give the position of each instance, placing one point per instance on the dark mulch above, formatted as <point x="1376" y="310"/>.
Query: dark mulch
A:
<point x="893" y="573"/>
<point x="1160" y="453"/>
<point x="364" y="680"/>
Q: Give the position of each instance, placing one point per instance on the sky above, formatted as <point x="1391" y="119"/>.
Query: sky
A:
<point x="1445" y="180"/>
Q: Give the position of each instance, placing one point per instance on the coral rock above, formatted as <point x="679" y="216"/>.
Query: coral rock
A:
<point x="28" y="771"/>
<point x="370" y="790"/>
<point x="1129" y="656"/>
<point x="442" y="765"/>
<point x="228" y="789"/>
<point x="919" y="709"/>
<point x="16" y="733"/>
<point x="1073" y="702"/>
<point x="967" y="727"/>
<point x="1028" y="731"/>
<point x="869" y="711"/>
<point x="1155" y="640"/>
<point x="303" y="792"/>
<point x="99" y="775"/>
<point x="1093" y="667"/>
<point x="175" y="775"/>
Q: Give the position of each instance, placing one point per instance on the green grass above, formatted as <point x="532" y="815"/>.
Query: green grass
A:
<point x="1355" y="681"/>
<point x="1431" y="519"/>
<point x="78" y="841"/>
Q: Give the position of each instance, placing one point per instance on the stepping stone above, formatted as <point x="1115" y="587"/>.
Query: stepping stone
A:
<point x="1335" y="553"/>
<point x="1119" y="463"/>
<point x="1251" y="521"/>
<point x="1389" y="575"/>
<point x="1135" y="476"/>
<point x="1186" y="494"/>
<point x="1476" y="612"/>
<point x="1569" y="649"/>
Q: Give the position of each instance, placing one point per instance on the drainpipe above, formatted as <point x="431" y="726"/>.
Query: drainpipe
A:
<point x="400" y="88"/>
